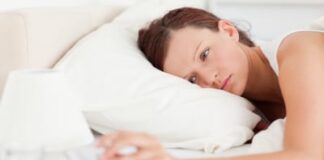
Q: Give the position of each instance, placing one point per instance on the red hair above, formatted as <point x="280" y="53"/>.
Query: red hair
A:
<point x="153" y="41"/>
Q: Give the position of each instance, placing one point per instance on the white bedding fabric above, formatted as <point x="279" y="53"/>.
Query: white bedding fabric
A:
<point x="121" y="90"/>
<point x="269" y="140"/>
<point x="184" y="153"/>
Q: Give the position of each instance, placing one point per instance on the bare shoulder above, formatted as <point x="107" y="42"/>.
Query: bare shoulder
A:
<point x="301" y="63"/>
<point x="299" y="43"/>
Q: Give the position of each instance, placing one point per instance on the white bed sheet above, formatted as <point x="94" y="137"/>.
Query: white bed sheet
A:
<point x="186" y="153"/>
<point x="183" y="153"/>
<point x="269" y="140"/>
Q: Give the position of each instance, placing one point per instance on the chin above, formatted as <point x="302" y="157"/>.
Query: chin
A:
<point x="237" y="91"/>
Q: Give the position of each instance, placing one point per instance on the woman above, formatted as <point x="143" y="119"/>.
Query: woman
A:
<point x="211" y="52"/>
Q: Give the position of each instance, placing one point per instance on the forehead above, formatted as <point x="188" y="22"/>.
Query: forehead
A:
<point x="182" y="46"/>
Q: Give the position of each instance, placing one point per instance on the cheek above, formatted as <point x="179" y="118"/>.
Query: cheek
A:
<point x="224" y="51"/>
<point x="229" y="57"/>
<point x="226" y="59"/>
<point x="234" y="62"/>
<point x="237" y="59"/>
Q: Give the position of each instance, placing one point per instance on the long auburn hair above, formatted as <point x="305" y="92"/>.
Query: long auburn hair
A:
<point x="153" y="41"/>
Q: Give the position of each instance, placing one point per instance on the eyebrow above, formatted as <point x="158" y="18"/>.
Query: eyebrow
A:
<point x="194" y="57"/>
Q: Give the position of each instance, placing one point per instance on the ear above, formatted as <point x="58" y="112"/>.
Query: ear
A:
<point x="228" y="28"/>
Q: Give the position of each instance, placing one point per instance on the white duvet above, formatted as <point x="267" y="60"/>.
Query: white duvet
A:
<point x="269" y="140"/>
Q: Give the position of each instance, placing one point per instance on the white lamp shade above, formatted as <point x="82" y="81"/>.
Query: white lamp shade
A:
<point x="39" y="110"/>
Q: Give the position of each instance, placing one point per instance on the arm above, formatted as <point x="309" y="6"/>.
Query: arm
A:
<point x="301" y="79"/>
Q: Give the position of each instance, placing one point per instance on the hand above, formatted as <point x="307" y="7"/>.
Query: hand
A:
<point x="147" y="147"/>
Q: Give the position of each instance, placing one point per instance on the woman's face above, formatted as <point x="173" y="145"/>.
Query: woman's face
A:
<point x="208" y="58"/>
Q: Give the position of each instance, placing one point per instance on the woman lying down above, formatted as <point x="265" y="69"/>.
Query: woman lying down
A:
<point x="211" y="52"/>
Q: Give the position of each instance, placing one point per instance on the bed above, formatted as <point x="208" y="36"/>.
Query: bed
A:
<point x="39" y="37"/>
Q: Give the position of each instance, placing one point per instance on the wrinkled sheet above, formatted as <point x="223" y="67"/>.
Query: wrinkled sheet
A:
<point x="268" y="140"/>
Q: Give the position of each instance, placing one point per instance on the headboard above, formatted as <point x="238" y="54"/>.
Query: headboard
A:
<point x="39" y="37"/>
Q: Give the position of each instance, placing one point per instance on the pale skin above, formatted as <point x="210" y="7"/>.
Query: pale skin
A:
<point x="207" y="58"/>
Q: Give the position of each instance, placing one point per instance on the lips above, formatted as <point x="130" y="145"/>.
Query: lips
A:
<point x="226" y="81"/>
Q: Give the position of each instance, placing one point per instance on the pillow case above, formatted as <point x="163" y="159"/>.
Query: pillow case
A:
<point x="121" y="90"/>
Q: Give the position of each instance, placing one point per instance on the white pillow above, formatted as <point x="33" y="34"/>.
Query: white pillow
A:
<point x="121" y="90"/>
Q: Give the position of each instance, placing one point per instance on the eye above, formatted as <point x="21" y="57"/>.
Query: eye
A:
<point x="204" y="54"/>
<point x="193" y="79"/>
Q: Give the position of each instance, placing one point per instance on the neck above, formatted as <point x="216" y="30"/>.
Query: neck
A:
<point x="262" y="84"/>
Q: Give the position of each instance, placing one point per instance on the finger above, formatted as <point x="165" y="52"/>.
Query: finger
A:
<point x="147" y="155"/>
<point x="141" y="155"/>
<point x="121" y="140"/>
<point x="164" y="156"/>
<point x="140" y="140"/>
<point x="136" y="153"/>
<point x="119" y="147"/>
<point x="125" y="151"/>
<point x="144" y="154"/>
<point x="128" y="139"/>
<point x="106" y="140"/>
<point x="121" y="158"/>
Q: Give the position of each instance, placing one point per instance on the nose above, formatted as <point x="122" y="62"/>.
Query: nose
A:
<point x="209" y="79"/>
